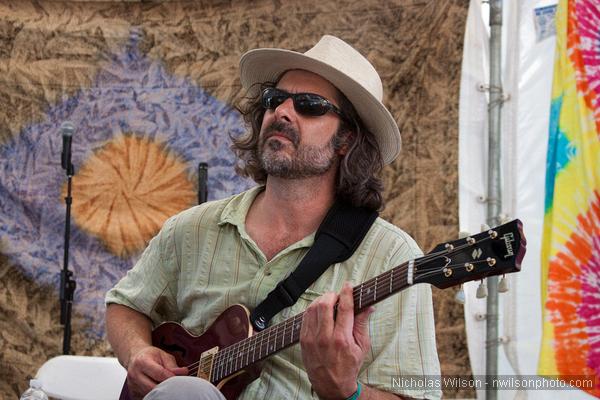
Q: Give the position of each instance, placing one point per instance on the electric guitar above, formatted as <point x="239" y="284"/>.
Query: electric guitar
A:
<point x="227" y="353"/>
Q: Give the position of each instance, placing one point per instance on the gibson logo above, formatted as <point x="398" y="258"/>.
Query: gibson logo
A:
<point x="508" y="239"/>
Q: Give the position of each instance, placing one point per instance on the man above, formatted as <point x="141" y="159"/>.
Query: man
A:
<point x="319" y="133"/>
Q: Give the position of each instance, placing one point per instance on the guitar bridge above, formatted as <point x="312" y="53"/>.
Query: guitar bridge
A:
<point x="206" y="363"/>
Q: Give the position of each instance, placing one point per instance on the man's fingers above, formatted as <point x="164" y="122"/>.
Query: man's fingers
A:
<point x="361" y="328"/>
<point x="345" y="311"/>
<point x="168" y="361"/>
<point x="180" y="370"/>
<point x="324" y="306"/>
<point x="309" y="323"/>
<point x="156" y="372"/>
<point x="361" y="320"/>
<point x="148" y="367"/>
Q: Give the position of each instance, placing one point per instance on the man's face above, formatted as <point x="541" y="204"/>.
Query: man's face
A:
<point x="293" y="145"/>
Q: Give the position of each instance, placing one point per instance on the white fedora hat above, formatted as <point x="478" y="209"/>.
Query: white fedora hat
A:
<point x="343" y="66"/>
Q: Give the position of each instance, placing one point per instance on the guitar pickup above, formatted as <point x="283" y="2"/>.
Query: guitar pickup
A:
<point x="206" y="363"/>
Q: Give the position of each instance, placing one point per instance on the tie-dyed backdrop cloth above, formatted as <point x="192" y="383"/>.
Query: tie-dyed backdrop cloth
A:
<point x="149" y="87"/>
<point x="140" y="135"/>
<point x="571" y="247"/>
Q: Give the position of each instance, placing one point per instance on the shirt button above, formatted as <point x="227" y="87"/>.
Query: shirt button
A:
<point x="268" y="273"/>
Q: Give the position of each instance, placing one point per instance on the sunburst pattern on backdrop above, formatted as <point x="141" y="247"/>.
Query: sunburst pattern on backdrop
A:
<point x="126" y="191"/>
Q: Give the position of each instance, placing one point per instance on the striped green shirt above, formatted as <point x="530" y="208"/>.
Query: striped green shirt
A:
<point x="203" y="261"/>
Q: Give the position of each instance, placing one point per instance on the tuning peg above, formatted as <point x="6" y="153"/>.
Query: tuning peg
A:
<point x="481" y="291"/>
<point x="460" y="295"/>
<point x="503" y="285"/>
<point x="503" y="218"/>
<point x="463" y="234"/>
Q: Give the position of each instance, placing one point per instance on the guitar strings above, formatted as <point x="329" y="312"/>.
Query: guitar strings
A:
<point x="274" y="336"/>
<point x="242" y="347"/>
<point x="264" y="337"/>
<point x="380" y="281"/>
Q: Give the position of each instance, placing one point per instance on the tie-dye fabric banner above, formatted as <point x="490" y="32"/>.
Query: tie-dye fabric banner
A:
<point x="571" y="243"/>
<point x="140" y="135"/>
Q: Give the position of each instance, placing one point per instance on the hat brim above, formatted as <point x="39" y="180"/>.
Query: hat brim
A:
<point x="266" y="65"/>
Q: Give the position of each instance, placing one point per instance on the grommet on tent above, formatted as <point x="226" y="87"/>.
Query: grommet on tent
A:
<point x="460" y="295"/>
<point x="481" y="291"/>
<point x="503" y="285"/>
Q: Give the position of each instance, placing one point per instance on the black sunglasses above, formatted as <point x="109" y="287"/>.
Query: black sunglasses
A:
<point x="308" y="104"/>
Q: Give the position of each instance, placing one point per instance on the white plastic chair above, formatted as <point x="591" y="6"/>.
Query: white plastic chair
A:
<point x="82" y="378"/>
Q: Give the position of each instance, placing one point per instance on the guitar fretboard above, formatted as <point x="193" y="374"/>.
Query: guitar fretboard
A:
<point x="284" y="334"/>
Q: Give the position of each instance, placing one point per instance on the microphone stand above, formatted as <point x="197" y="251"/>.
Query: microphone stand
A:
<point x="67" y="283"/>
<point x="202" y="182"/>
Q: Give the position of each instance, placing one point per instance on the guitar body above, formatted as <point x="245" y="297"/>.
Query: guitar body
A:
<point x="230" y="327"/>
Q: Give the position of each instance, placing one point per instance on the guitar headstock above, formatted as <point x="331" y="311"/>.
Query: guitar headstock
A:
<point x="495" y="252"/>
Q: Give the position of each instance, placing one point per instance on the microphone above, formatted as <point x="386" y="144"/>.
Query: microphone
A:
<point x="67" y="130"/>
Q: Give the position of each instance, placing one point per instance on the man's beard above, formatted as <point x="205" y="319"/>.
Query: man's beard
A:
<point x="306" y="161"/>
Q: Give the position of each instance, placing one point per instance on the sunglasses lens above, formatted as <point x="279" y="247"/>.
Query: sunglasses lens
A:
<point x="313" y="106"/>
<point x="272" y="98"/>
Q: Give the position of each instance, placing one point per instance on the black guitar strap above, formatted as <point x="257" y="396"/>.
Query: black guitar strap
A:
<point x="338" y="236"/>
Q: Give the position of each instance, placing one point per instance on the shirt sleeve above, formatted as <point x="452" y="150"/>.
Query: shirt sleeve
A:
<point x="150" y="287"/>
<point x="403" y="357"/>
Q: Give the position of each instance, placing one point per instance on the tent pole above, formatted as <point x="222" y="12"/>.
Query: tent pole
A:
<point x="494" y="196"/>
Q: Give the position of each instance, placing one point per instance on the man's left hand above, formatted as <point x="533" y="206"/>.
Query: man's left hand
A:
<point x="334" y="347"/>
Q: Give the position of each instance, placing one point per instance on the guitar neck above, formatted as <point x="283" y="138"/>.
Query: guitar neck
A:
<point x="284" y="334"/>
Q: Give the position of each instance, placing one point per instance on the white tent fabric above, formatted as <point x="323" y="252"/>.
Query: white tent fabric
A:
<point x="527" y="81"/>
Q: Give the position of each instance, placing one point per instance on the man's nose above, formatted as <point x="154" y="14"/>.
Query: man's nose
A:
<point x="285" y="110"/>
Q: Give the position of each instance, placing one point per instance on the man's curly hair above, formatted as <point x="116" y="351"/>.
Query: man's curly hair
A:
<point x="357" y="180"/>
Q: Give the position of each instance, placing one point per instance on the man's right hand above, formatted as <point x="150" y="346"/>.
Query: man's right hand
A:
<point x="130" y="335"/>
<point x="147" y="367"/>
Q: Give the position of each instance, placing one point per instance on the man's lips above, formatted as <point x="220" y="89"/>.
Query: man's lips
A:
<point x="282" y="131"/>
<point x="280" y="136"/>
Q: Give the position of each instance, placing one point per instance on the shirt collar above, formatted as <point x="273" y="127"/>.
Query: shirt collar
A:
<point x="236" y="210"/>
<point x="235" y="213"/>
